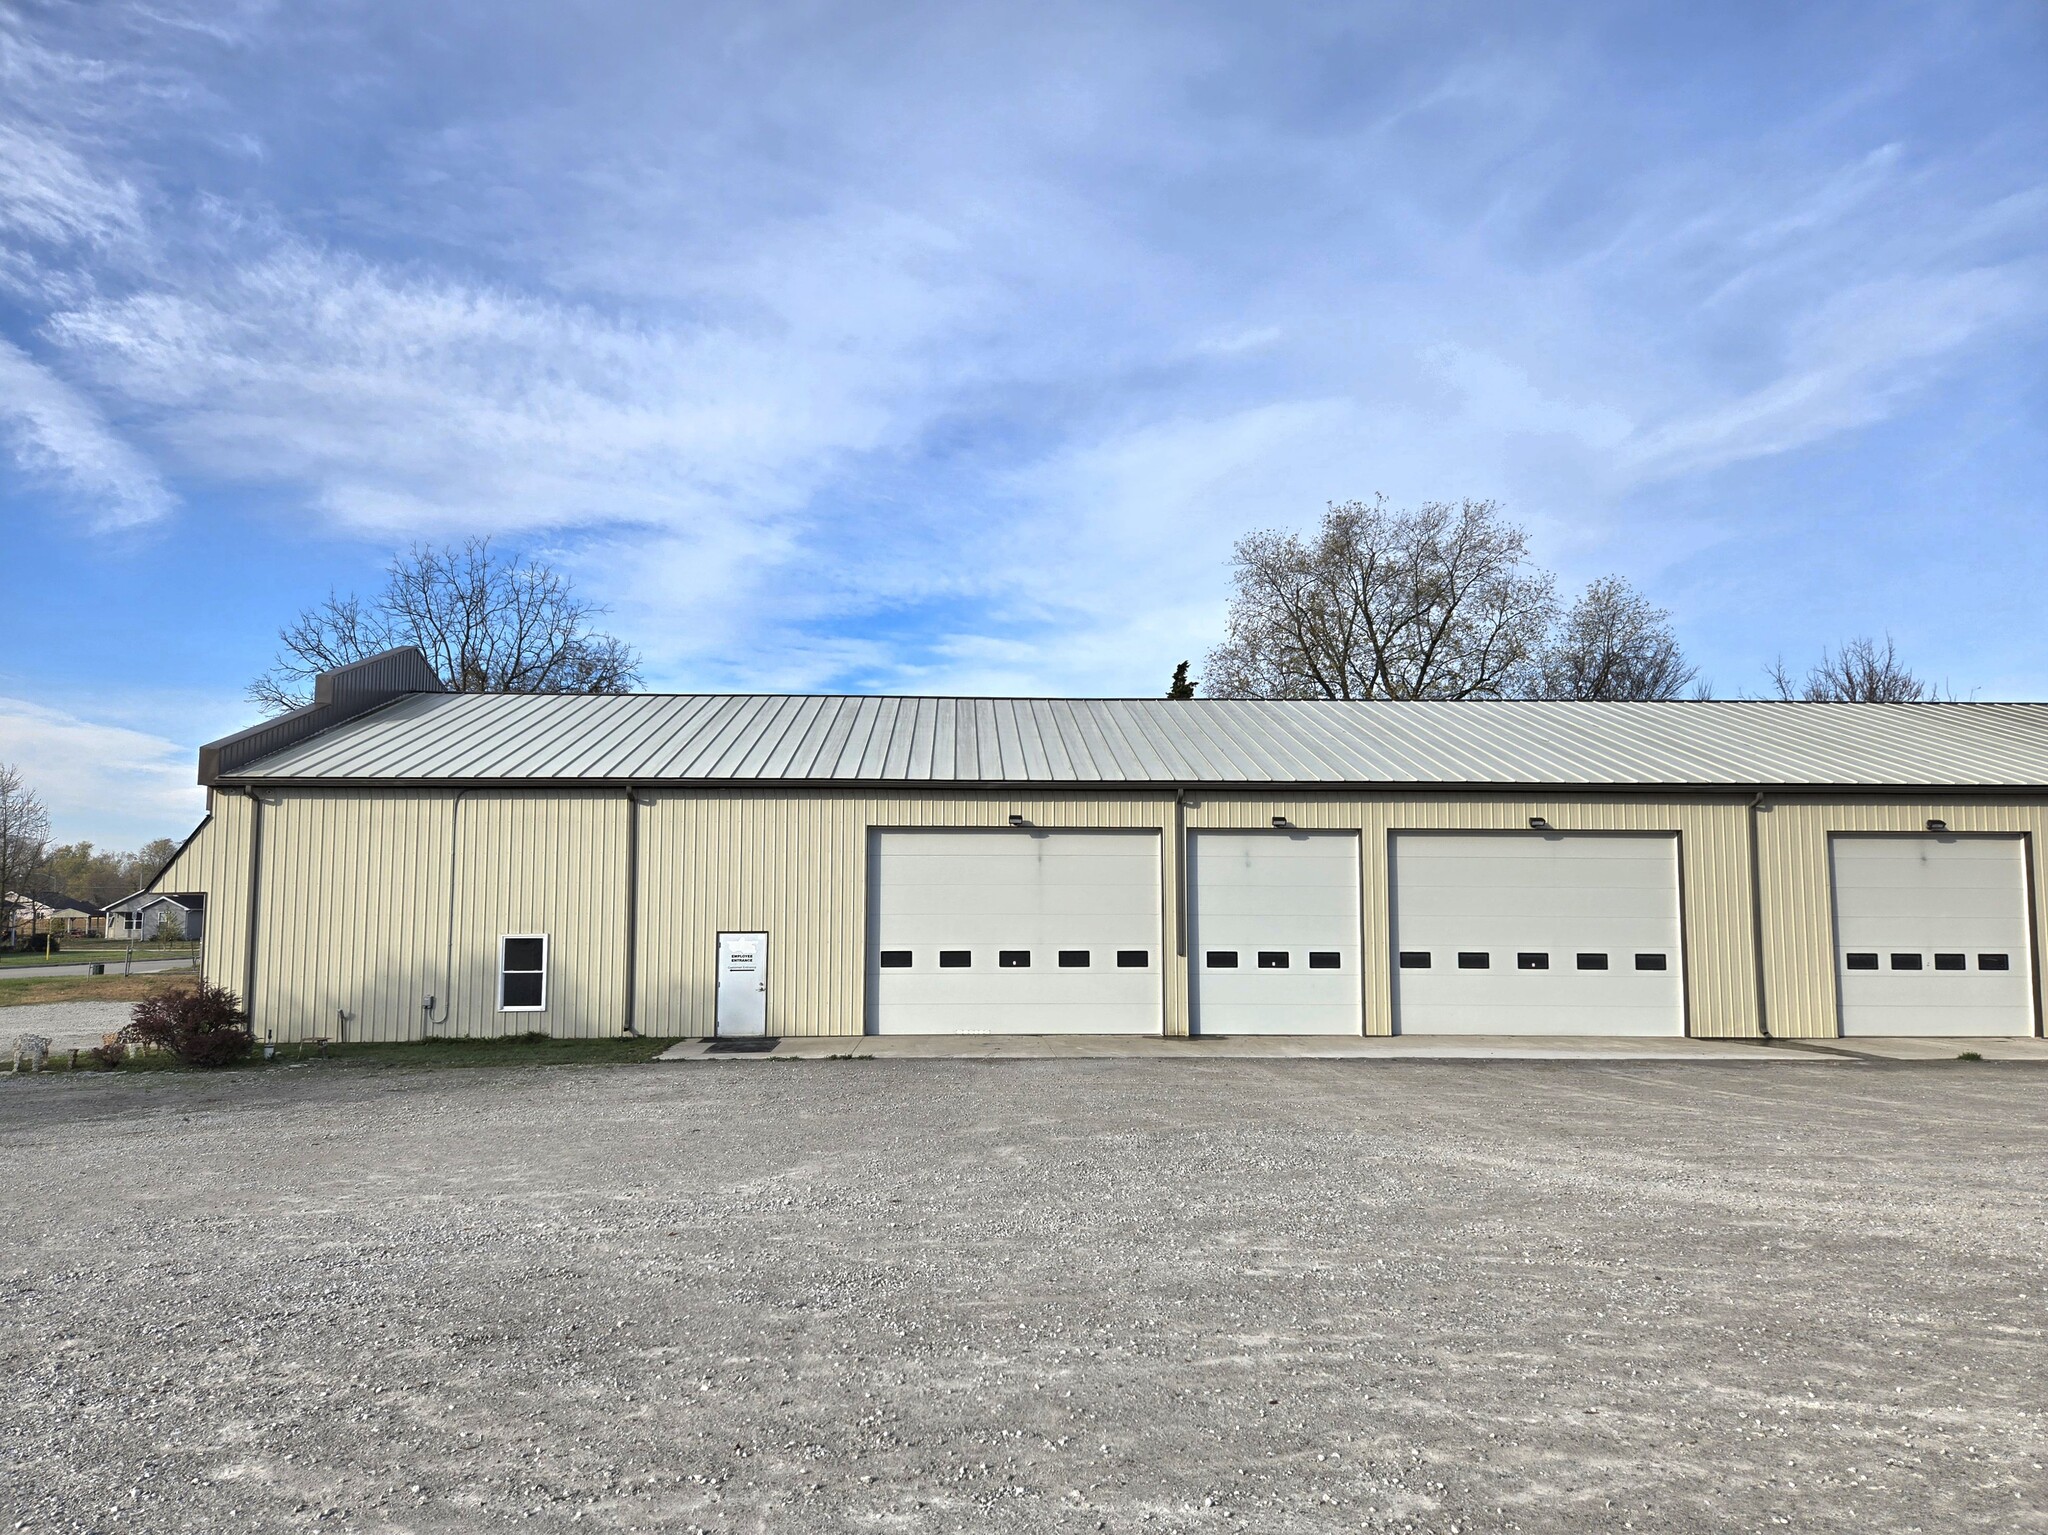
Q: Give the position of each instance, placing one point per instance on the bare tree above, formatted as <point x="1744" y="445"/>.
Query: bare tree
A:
<point x="1861" y="672"/>
<point x="24" y="843"/>
<point x="1439" y="602"/>
<point x="488" y="622"/>
<point x="1613" y="645"/>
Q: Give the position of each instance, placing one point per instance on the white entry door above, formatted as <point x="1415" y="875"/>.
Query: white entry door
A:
<point x="1273" y="932"/>
<point x="1536" y="933"/>
<point x="1931" y="935"/>
<point x="742" y="985"/>
<point x="1014" y="932"/>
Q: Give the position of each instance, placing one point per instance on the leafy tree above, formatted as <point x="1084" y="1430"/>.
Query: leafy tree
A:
<point x="1182" y="687"/>
<point x="1613" y="645"/>
<point x="1860" y="672"/>
<point x="489" y="623"/>
<point x="24" y="842"/>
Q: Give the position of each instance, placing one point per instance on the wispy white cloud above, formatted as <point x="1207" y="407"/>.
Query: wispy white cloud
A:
<point x="102" y="782"/>
<point x="58" y="434"/>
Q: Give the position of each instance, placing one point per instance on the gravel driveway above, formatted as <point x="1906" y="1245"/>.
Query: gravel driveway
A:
<point x="67" y="1025"/>
<point x="1050" y="1296"/>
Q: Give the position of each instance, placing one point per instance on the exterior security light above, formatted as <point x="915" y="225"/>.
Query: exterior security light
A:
<point x="1281" y="820"/>
<point x="1016" y="820"/>
<point x="1537" y="823"/>
<point x="1937" y="826"/>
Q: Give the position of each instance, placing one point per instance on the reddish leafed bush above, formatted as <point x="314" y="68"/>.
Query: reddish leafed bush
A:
<point x="203" y="1026"/>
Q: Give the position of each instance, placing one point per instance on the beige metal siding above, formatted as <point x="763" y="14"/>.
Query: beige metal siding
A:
<point x="794" y="865"/>
<point x="1798" y="911"/>
<point x="356" y="910"/>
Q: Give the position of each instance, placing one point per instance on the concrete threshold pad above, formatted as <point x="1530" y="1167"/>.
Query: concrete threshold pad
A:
<point x="1068" y="1047"/>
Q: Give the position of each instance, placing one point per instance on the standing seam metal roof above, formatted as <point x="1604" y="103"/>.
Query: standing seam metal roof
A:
<point x="763" y="738"/>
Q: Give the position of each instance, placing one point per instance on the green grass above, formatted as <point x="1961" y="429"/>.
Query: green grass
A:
<point x="430" y="1054"/>
<point x="80" y="952"/>
<point x="19" y="991"/>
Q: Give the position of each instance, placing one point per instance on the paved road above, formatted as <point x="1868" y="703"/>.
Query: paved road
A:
<point x="138" y="967"/>
<point x="1062" y="1295"/>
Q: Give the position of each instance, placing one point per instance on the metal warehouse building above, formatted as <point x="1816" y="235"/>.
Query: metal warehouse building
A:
<point x="396" y="861"/>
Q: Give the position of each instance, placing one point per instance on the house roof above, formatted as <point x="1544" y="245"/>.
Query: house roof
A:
<point x="734" y="739"/>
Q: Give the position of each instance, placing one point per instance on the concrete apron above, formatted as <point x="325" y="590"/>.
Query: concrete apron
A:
<point x="1068" y="1047"/>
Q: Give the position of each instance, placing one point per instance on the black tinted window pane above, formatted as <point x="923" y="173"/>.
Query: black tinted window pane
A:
<point x="1272" y="959"/>
<point x="1592" y="961"/>
<point x="1993" y="962"/>
<point x="1325" y="959"/>
<point x="522" y="989"/>
<point x="1649" y="962"/>
<point x="1013" y="959"/>
<point x="1951" y="962"/>
<point x="1532" y="961"/>
<point x="1415" y="959"/>
<point x="895" y="959"/>
<point x="525" y="953"/>
<point x="1133" y="959"/>
<point x="1905" y="962"/>
<point x="1073" y="959"/>
<point x="1862" y="961"/>
<point x="955" y="959"/>
<point x="1223" y="959"/>
<point x="1468" y="960"/>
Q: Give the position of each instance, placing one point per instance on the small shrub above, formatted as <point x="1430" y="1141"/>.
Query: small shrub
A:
<point x="1970" y="1055"/>
<point x="202" y="1025"/>
<point x="110" y="1053"/>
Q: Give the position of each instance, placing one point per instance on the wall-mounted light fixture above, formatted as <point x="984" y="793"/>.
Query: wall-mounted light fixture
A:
<point x="1537" y="823"/>
<point x="1280" y="822"/>
<point x="1016" y="820"/>
<point x="1937" y="826"/>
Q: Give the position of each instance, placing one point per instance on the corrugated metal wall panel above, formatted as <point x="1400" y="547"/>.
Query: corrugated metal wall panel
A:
<point x="355" y="899"/>
<point x="1798" y="908"/>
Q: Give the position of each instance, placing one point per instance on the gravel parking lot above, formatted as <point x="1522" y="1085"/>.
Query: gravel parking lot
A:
<point x="1071" y="1295"/>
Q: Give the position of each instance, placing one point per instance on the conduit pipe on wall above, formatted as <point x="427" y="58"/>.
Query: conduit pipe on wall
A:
<point x="448" y="956"/>
<point x="633" y="803"/>
<point x="1756" y="916"/>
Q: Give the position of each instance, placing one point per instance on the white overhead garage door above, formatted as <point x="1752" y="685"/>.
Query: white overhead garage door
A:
<point x="1536" y="933"/>
<point x="1273" y="932"/>
<point x="1013" y="932"/>
<point x="1931" y="935"/>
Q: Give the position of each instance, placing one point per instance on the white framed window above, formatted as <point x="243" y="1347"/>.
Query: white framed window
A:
<point x="523" y="973"/>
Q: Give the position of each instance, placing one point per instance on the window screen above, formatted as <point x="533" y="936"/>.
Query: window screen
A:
<point x="1325" y="959"/>
<point x="1272" y="959"/>
<point x="1223" y="959"/>
<point x="1592" y="961"/>
<point x="1013" y="959"/>
<point x="523" y="973"/>
<point x="1861" y="961"/>
<point x="1073" y="959"/>
<point x="1415" y="959"/>
<point x="895" y="959"/>
<point x="1906" y="962"/>
<point x="1994" y="962"/>
<point x="1470" y="960"/>
<point x="1532" y="961"/>
<point x="1650" y="962"/>
<point x="1133" y="959"/>
<point x="956" y="959"/>
<point x="1951" y="961"/>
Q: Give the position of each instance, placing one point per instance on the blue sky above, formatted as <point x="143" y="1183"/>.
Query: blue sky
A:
<point x="949" y="347"/>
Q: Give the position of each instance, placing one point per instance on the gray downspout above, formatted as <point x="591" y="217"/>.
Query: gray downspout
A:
<point x="632" y="901"/>
<point x="1180" y="873"/>
<point x="1756" y="917"/>
<point x="255" y="900"/>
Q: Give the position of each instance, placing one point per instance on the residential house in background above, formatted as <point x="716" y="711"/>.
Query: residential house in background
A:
<point x="144" y="914"/>
<point x="48" y="912"/>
